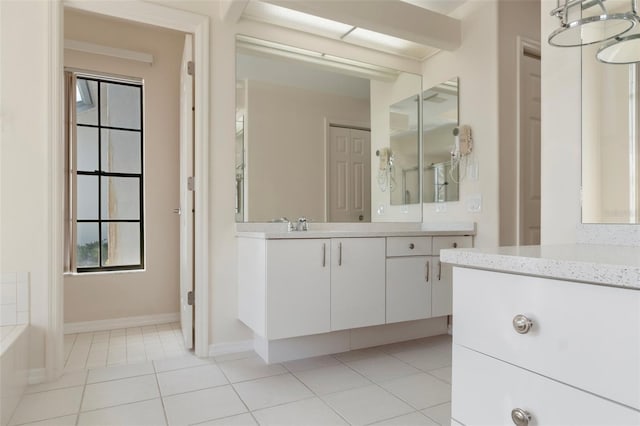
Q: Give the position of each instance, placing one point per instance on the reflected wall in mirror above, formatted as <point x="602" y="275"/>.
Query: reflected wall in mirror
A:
<point x="307" y="144"/>
<point x="610" y="141"/>
<point x="439" y="119"/>
<point x="404" y="170"/>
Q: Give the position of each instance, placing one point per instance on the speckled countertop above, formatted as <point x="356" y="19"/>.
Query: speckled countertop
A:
<point x="600" y="264"/>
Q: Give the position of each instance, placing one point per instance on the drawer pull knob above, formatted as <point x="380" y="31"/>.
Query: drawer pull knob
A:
<point x="411" y="246"/>
<point x="522" y="324"/>
<point x="520" y="417"/>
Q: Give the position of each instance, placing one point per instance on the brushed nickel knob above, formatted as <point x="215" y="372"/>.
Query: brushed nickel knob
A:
<point x="522" y="324"/>
<point x="520" y="417"/>
<point x="411" y="246"/>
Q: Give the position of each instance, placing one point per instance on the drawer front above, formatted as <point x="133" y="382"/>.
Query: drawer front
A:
<point x="440" y="243"/>
<point x="486" y="390"/>
<point x="408" y="246"/>
<point x="408" y="288"/>
<point x="584" y="335"/>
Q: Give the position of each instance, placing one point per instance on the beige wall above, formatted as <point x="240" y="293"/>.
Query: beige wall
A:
<point x="285" y="142"/>
<point x="476" y="63"/>
<point x="155" y="290"/>
<point x="511" y="25"/>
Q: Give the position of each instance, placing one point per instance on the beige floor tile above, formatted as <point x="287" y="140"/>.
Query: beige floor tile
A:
<point x="382" y="367"/>
<point x="419" y="390"/>
<point x="249" y="369"/>
<point x="203" y="405"/>
<point x="245" y="419"/>
<point x="117" y="392"/>
<point x="310" y="412"/>
<point x="332" y="379"/>
<point x="366" y="405"/>
<point x="145" y="413"/>
<point x="46" y="405"/>
<point x="441" y="414"/>
<point x="191" y="379"/>
<point x="121" y="372"/>
<point x="412" y="419"/>
<point x="270" y="391"/>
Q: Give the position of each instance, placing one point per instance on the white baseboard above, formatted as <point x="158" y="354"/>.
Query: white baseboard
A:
<point x="116" y="323"/>
<point x="230" y="348"/>
<point x="37" y="376"/>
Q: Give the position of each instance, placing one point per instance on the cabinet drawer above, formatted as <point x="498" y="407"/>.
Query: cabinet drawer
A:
<point x="408" y="288"/>
<point x="584" y="335"/>
<point x="485" y="390"/>
<point x="461" y="241"/>
<point x="408" y="246"/>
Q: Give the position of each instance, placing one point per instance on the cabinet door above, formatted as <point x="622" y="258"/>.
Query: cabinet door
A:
<point x="357" y="282"/>
<point x="408" y="288"/>
<point x="298" y="287"/>
<point x="441" y="293"/>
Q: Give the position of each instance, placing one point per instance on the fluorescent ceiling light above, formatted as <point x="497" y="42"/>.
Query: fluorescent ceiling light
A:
<point x="375" y="40"/>
<point x="289" y="18"/>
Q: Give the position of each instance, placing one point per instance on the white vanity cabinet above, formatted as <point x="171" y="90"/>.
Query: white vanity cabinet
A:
<point x="409" y="277"/>
<point x="298" y="298"/>
<point x="357" y="282"/>
<point x="442" y="277"/>
<point x="562" y="352"/>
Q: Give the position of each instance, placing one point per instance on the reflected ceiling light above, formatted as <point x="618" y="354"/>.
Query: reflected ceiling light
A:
<point x="605" y="27"/>
<point x="622" y="50"/>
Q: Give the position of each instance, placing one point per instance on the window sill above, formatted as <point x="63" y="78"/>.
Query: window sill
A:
<point x="83" y="274"/>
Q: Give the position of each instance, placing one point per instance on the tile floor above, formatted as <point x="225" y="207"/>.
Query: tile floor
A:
<point x="124" y="346"/>
<point x="400" y="384"/>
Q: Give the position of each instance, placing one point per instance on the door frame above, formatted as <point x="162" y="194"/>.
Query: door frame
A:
<point x="522" y="44"/>
<point x="151" y="14"/>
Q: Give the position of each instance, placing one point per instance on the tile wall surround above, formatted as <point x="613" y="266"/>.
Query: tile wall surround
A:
<point x="608" y="234"/>
<point x="14" y="298"/>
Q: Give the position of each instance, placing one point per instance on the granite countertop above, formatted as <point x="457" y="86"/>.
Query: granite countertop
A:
<point x="327" y="230"/>
<point x="599" y="264"/>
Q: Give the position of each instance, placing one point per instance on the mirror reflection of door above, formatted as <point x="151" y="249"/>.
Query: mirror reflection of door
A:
<point x="349" y="171"/>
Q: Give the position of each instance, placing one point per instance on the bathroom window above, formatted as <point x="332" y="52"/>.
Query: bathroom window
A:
<point x="105" y="147"/>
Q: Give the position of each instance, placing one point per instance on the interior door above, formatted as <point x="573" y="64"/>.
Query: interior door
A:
<point x="349" y="189"/>
<point x="186" y="194"/>
<point x="529" y="149"/>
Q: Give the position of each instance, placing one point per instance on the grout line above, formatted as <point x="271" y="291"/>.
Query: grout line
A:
<point x="239" y="397"/>
<point x="84" y="389"/>
<point x="164" y="409"/>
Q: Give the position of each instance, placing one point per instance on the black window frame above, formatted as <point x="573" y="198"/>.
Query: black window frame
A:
<point x="99" y="173"/>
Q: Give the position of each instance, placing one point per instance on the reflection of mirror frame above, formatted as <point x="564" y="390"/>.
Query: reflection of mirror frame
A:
<point x="435" y="167"/>
<point x="399" y="167"/>
<point x="610" y="141"/>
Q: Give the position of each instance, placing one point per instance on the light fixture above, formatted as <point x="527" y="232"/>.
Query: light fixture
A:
<point x="622" y="50"/>
<point x="605" y="27"/>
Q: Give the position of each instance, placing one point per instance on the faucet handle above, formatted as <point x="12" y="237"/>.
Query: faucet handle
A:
<point x="303" y="224"/>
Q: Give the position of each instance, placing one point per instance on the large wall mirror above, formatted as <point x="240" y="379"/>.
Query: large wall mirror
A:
<point x="440" y="117"/>
<point x="610" y="141"/>
<point x="308" y="127"/>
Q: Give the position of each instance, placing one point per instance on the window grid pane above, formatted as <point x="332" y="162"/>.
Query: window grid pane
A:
<point x="118" y="202"/>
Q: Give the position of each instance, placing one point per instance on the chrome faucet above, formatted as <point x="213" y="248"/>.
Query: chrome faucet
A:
<point x="302" y="225"/>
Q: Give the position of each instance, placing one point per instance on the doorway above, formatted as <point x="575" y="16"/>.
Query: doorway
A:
<point x="185" y="22"/>
<point x="529" y="104"/>
<point x="348" y="174"/>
